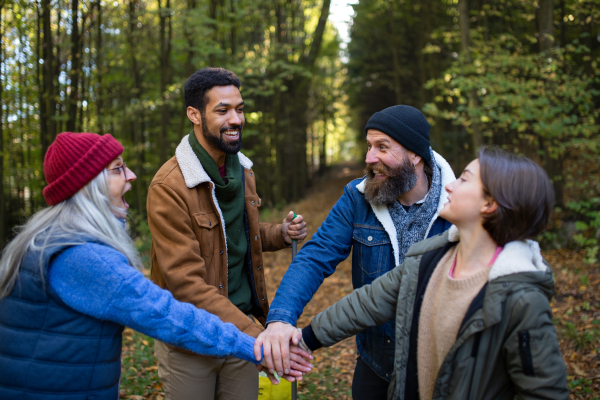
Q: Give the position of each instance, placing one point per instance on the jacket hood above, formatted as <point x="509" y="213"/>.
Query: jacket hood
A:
<point x="520" y="261"/>
<point x="383" y="214"/>
<point x="519" y="267"/>
<point x="516" y="257"/>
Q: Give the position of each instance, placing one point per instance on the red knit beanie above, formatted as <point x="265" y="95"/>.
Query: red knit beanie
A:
<point x="73" y="160"/>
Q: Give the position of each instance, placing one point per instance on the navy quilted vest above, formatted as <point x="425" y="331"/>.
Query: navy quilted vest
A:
<point x="50" y="351"/>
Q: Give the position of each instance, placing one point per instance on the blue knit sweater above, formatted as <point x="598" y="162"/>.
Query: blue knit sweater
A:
<point x="96" y="280"/>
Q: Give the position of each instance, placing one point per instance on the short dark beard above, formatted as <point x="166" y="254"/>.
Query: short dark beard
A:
<point x="400" y="180"/>
<point x="217" y="140"/>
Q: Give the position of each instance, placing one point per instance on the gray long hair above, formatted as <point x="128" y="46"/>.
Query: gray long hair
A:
<point x="88" y="213"/>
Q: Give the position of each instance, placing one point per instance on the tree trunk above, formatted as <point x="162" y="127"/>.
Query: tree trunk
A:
<point x="463" y="9"/>
<point x="20" y="172"/>
<point x="295" y="110"/>
<point x="47" y="128"/>
<point x="215" y="27"/>
<point x="424" y="32"/>
<point x="553" y="163"/>
<point x="75" y="66"/>
<point x="136" y="120"/>
<point x="189" y="36"/>
<point x="323" y="152"/>
<point x="546" y="25"/>
<point x="318" y="35"/>
<point x="232" y="32"/>
<point x="81" y="125"/>
<point x="99" y="71"/>
<point x="2" y="200"/>
<point x="165" y="56"/>
<point x="394" y="48"/>
<point x="59" y="124"/>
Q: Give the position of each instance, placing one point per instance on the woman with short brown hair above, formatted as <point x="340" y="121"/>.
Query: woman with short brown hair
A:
<point x="473" y="318"/>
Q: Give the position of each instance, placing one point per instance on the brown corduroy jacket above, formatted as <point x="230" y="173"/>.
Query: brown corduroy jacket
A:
<point x="189" y="251"/>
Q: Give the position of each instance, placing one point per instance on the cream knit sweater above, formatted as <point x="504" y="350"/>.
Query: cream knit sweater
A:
<point x="445" y="305"/>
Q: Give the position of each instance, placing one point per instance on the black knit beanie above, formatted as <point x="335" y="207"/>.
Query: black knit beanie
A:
<point x="406" y="125"/>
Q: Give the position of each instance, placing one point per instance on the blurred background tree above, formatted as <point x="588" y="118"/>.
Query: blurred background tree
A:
<point x="519" y="74"/>
<point x="523" y="75"/>
<point x="119" y="67"/>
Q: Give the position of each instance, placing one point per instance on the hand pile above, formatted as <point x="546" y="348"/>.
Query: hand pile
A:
<point x="284" y="352"/>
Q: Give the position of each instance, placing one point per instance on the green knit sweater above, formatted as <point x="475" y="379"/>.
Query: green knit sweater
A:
<point x="230" y="196"/>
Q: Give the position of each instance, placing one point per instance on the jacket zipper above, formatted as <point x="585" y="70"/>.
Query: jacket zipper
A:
<point x="453" y="351"/>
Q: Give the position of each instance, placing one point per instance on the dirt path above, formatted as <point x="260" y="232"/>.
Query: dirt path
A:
<point x="334" y="367"/>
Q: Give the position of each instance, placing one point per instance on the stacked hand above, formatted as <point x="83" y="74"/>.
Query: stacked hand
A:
<point x="299" y="365"/>
<point x="284" y="351"/>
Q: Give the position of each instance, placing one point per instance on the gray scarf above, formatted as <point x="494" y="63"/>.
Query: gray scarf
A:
<point x="411" y="225"/>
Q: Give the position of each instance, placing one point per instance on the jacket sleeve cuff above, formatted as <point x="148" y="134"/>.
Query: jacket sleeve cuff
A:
<point x="245" y="349"/>
<point x="308" y="335"/>
<point x="272" y="239"/>
<point x="280" y="316"/>
<point x="278" y="241"/>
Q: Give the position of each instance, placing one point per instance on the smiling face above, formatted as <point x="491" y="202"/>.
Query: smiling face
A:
<point x="223" y="119"/>
<point x="383" y="150"/>
<point x="119" y="183"/>
<point x="390" y="170"/>
<point x="467" y="202"/>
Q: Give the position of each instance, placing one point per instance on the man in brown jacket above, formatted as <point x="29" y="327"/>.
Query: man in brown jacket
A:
<point x="207" y="242"/>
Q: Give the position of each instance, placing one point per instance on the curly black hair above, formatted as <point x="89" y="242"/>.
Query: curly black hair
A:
<point x="197" y="86"/>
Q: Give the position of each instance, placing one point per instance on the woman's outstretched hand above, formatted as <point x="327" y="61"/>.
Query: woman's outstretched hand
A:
<point x="299" y="365"/>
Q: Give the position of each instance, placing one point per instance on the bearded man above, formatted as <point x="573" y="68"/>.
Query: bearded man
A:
<point x="378" y="217"/>
<point x="207" y="242"/>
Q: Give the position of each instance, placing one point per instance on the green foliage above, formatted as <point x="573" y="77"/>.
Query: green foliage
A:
<point x="584" y="337"/>
<point x="583" y="386"/>
<point x="587" y="226"/>
<point x="523" y="97"/>
<point x="133" y="67"/>
<point x="139" y="372"/>
<point x="323" y="382"/>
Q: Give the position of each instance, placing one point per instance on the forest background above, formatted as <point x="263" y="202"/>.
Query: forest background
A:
<point x="520" y="74"/>
<point x="523" y="75"/>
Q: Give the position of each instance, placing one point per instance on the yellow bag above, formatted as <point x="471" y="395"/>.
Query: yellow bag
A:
<point x="268" y="391"/>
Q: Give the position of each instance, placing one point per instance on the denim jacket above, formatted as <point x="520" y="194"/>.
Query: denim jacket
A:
<point x="352" y="224"/>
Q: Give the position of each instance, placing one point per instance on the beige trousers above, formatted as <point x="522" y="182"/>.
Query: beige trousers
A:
<point x="186" y="377"/>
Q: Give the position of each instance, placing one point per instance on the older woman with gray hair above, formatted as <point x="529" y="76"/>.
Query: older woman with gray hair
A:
<point x="70" y="281"/>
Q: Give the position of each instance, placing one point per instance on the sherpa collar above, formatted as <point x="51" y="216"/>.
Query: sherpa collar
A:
<point x="194" y="174"/>
<point x="191" y="168"/>
<point x="383" y="214"/>
<point x="516" y="257"/>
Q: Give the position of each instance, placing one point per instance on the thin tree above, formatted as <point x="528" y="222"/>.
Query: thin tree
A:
<point x="395" y="46"/>
<point x="47" y="127"/>
<point x="165" y="75"/>
<point x="213" y="16"/>
<point x="136" y="120"/>
<point x="2" y="200"/>
<point x="553" y="163"/>
<point x="463" y="9"/>
<point x="75" y="67"/>
<point x="99" y="70"/>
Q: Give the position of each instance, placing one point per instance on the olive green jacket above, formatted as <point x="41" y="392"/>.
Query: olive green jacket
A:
<point x="506" y="347"/>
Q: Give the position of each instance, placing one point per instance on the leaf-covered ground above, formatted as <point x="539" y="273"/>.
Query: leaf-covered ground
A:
<point x="576" y="309"/>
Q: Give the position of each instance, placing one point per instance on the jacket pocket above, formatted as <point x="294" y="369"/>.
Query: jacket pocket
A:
<point x="207" y="235"/>
<point x="525" y="353"/>
<point x="372" y="252"/>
